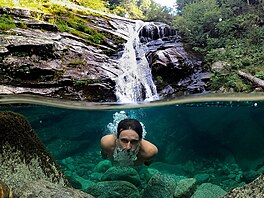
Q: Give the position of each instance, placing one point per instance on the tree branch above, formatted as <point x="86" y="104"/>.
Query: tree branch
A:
<point x="252" y="79"/>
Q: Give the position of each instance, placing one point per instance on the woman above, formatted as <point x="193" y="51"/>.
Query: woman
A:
<point x="127" y="147"/>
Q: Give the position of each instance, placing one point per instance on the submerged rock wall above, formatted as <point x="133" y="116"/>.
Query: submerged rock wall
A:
<point x="23" y="156"/>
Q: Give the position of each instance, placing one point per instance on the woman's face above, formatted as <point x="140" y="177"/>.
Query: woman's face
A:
<point x="128" y="140"/>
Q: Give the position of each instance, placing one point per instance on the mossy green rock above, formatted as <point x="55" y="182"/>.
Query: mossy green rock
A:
<point x="185" y="188"/>
<point x="149" y="172"/>
<point x="208" y="190"/>
<point x="114" y="189"/>
<point x="119" y="173"/>
<point x="23" y="157"/>
<point x="103" y="166"/>
<point x="160" y="186"/>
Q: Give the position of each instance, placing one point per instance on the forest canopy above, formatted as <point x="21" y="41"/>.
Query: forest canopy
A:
<point x="226" y="31"/>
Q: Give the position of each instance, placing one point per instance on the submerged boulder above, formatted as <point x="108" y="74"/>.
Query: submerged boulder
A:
<point x="207" y="190"/>
<point x="45" y="189"/>
<point x="116" y="189"/>
<point x="120" y="173"/>
<point x="253" y="189"/>
<point x="185" y="188"/>
<point x="23" y="156"/>
<point x="160" y="186"/>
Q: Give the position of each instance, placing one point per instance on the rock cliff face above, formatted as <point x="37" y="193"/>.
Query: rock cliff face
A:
<point x="37" y="58"/>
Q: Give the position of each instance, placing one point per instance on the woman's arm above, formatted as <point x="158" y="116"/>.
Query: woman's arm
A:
<point x="107" y="146"/>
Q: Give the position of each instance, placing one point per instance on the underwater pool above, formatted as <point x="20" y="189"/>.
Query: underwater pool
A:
<point x="216" y="140"/>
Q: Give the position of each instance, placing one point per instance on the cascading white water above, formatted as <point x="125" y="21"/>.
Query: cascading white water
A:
<point x="135" y="82"/>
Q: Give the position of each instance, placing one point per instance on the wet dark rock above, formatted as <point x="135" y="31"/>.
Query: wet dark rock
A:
<point x="155" y="31"/>
<point x="172" y="67"/>
<point x="249" y="176"/>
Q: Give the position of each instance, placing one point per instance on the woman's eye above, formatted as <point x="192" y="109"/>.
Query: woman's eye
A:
<point x="124" y="141"/>
<point x="134" y="141"/>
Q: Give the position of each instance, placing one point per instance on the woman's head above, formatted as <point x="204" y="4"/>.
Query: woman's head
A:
<point x="131" y="124"/>
<point x="129" y="134"/>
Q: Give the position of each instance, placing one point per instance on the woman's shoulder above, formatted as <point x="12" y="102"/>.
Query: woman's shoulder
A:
<point x="148" y="149"/>
<point x="108" y="141"/>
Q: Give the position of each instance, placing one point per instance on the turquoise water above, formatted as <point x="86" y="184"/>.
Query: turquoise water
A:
<point x="216" y="140"/>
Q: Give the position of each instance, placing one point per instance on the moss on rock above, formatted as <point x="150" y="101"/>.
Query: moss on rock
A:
<point x="23" y="156"/>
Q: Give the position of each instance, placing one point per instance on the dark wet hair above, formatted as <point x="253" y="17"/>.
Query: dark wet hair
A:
<point x="132" y="124"/>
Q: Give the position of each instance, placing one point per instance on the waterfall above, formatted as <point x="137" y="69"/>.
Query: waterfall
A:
<point x="135" y="82"/>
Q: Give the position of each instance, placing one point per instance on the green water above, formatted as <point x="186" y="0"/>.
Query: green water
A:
<point x="217" y="139"/>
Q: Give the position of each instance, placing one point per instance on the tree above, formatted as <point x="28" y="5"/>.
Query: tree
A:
<point x="182" y="3"/>
<point x="159" y="14"/>
<point x="198" y="21"/>
<point x="132" y="9"/>
<point x="144" y="5"/>
<point x="94" y="4"/>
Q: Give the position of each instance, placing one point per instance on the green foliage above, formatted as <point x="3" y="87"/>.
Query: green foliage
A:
<point x="147" y="10"/>
<point x="120" y="11"/>
<point x="77" y="62"/>
<point x="85" y="82"/>
<point x="7" y="3"/>
<point x="6" y="22"/>
<point x="78" y="26"/>
<point x="228" y="31"/>
<point x="182" y="3"/>
<point x="260" y="75"/>
<point x="21" y="53"/>
<point x="58" y="74"/>
<point x="31" y="4"/>
<point x="198" y="21"/>
<point x="230" y="82"/>
<point x="159" y="80"/>
<point x="94" y="4"/>
<point x="159" y="14"/>
<point x="80" y="82"/>
<point x="132" y="10"/>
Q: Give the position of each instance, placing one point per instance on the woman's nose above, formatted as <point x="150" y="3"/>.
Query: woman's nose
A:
<point x="128" y="146"/>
